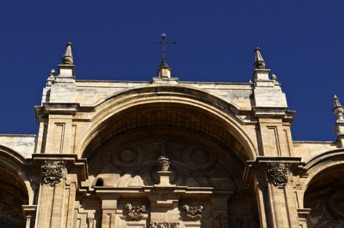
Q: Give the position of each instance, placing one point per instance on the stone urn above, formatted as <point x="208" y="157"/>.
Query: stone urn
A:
<point x="163" y="163"/>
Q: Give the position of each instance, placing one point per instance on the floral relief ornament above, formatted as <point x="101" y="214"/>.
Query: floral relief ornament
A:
<point x="193" y="213"/>
<point x="278" y="174"/>
<point x="53" y="171"/>
<point x="164" y="225"/>
<point x="135" y="212"/>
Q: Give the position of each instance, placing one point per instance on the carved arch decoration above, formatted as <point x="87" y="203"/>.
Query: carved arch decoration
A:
<point x="15" y="188"/>
<point x="323" y="188"/>
<point x="211" y="106"/>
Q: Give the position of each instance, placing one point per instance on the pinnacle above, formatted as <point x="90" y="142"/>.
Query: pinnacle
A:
<point x="67" y="58"/>
<point x="259" y="62"/>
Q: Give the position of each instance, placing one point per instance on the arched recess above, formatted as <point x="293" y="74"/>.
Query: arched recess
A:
<point x="212" y="106"/>
<point x="324" y="190"/>
<point x="199" y="133"/>
<point x="14" y="191"/>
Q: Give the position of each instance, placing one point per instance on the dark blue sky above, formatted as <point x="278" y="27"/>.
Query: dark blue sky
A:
<point x="302" y="43"/>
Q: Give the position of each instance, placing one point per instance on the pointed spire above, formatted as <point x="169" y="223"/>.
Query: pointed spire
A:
<point x="259" y="62"/>
<point x="336" y="102"/>
<point x="338" y="109"/>
<point x="67" y="58"/>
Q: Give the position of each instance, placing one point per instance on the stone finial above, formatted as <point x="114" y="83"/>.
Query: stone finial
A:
<point x="67" y="58"/>
<point x="163" y="163"/>
<point x="259" y="62"/>
<point x="52" y="72"/>
<point x="338" y="109"/>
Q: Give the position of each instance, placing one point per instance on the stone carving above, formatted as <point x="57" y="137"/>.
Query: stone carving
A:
<point x="52" y="172"/>
<point x="193" y="213"/>
<point x="164" y="225"/>
<point x="163" y="163"/>
<point x="135" y="212"/>
<point x="278" y="174"/>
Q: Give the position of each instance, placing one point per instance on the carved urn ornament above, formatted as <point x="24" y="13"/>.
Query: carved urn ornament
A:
<point x="193" y="213"/>
<point x="163" y="163"/>
<point x="52" y="172"/>
<point x="135" y="212"/>
<point x="278" y="174"/>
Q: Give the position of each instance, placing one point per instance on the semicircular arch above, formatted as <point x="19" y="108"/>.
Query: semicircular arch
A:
<point x="209" y="107"/>
<point x="14" y="187"/>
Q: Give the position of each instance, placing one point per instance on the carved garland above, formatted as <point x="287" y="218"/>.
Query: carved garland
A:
<point x="164" y="225"/>
<point x="135" y="213"/>
<point x="278" y="174"/>
<point x="193" y="213"/>
<point x="53" y="171"/>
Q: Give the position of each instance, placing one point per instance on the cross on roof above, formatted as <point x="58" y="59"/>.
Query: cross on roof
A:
<point x="163" y="43"/>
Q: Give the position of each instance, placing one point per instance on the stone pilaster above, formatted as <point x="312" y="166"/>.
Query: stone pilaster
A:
<point x="60" y="177"/>
<point x="274" y="190"/>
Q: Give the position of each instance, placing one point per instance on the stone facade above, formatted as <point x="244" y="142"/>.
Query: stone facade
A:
<point x="168" y="153"/>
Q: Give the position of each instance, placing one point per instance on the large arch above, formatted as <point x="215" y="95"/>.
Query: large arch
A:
<point x="210" y="106"/>
<point x="324" y="189"/>
<point x="14" y="188"/>
<point x="200" y="134"/>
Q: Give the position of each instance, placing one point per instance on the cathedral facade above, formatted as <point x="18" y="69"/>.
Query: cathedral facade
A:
<point x="167" y="153"/>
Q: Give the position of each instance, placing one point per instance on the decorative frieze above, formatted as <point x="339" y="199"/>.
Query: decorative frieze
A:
<point x="53" y="171"/>
<point x="134" y="213"/>
<point x="164" y="225"/>
<point x="278" y="174"/>
<point x="193" y="213"/>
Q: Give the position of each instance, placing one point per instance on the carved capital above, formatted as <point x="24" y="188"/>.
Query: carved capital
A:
<point x="53" y="172"/>
<point x="278" y="173"/>
<point x="164" y="225"/>
<point x="193" y="213"/>
<point x="134" y="212"/>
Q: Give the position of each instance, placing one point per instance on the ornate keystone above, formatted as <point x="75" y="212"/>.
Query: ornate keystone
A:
<point x="193" y="213"/>
<point x="278" y="174"/>
<point x="135" y="212"/>
<point x="164" y="225"/>
<point x="52" y="172"/>
<point x="163" y="163"/>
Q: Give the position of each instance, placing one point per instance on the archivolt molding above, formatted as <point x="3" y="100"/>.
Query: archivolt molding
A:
<point x="320" y="164"/>
<point x="13" y="162"/>
<point x="195" y="99"/>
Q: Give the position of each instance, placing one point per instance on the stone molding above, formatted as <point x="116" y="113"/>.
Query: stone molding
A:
<point x="134" y="213"/>
<point x="53" y="172"/>
<point x="193" y="213"/>
<point x="164" y="225"/>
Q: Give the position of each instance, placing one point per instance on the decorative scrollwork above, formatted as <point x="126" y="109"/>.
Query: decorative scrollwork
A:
<point x="135" y="212"/>
<point x="193" y="213"/>
<point x="164" y="225"/>
<point x="278" y="174"/>
<point x="52" y="172"/>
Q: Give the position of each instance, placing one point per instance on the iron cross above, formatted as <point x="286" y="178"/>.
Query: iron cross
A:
<point x="163" y="43"/>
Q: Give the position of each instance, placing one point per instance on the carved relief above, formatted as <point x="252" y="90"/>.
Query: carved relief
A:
<point x="191" y="164"/>
<point x="134" y="212"/>
<point x="52" y="172"/>
<point x="164" y="225"/>
<point x="193" y="213"/>
<point x="278" y="174"/>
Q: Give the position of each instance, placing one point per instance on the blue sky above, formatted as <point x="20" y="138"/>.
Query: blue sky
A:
<point x="302" y="43"/>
